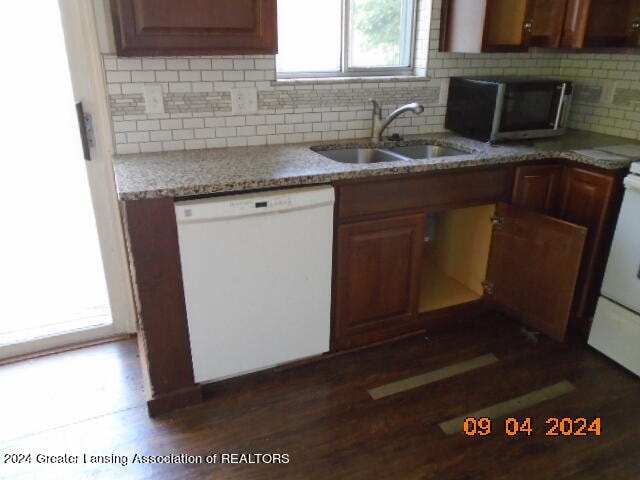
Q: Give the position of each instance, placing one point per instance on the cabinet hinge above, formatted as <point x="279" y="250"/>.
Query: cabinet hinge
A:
<point x="497" y="221"/>
<point x="87" y="136"/>
<point x="487" y="287"/>
<point x="527" y="26"/>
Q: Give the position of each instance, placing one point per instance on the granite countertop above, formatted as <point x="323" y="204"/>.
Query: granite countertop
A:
<point x="209" y="171"/>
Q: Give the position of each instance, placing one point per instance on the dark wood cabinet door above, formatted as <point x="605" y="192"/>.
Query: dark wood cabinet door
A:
<point x="588" y="199"/>
<point x="575" y="23"/>
<point x="191" y="27"/>
<point x="533" y="268"/>
<point x="613" y="23"/>
<point x="378" y="267"/>
<point x="536" y="188"/>
<point x="543" y="23"/>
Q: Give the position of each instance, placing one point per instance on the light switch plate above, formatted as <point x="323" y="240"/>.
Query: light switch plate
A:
<point x="244" y="100"/>
<point x="153" y="101"/>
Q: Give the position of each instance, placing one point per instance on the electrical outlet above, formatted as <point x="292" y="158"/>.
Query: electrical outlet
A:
<point x="153" y="100"/>
<point x="244" y="100"/>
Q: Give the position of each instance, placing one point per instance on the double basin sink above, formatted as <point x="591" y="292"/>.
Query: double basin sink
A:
<point x="390" y="154"/>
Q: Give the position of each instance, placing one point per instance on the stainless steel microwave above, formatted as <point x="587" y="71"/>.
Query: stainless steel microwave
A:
<point x="492" y="109"/>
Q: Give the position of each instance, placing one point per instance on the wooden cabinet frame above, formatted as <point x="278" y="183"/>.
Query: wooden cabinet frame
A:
<point x="194" y="27"/>
<point x="536" y="257"/>
<point x="475" y="26"/>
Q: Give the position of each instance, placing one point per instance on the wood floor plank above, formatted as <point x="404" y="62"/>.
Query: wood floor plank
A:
<point x="323" y="418"/>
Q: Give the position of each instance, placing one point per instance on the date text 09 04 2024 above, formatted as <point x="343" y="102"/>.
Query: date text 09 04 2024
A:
<point x="566" y="427"/>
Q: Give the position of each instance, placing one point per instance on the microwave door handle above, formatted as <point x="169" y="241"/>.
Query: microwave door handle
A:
<point x="560" y="106"/>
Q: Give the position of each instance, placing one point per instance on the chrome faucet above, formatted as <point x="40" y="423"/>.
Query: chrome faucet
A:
<point x="380" y="125"/>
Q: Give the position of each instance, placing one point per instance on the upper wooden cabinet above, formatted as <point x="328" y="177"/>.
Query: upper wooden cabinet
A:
<point x="501" y="25"/>
<point x="612" y="23"/>
<point x="543" y="22"/>
<point x="194" y="27"/>
<point x="515" y="25"/>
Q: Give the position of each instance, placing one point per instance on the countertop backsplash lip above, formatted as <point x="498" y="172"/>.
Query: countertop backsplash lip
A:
<point x="237" y="169"/>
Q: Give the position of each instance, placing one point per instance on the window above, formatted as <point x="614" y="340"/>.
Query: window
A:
<point x="345" y="37"/>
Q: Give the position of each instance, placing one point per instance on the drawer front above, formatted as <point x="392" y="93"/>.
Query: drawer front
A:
<point x="438" y="189"/>
<point x="615" y="332"/>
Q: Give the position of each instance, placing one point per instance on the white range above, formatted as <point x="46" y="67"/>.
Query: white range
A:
<point x="616" y="326"/>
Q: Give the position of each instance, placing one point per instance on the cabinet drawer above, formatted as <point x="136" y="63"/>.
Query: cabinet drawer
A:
<point x="439" y="189"/>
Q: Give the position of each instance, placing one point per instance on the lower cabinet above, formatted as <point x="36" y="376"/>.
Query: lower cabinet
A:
<point x="585" y="196"/>
<point x="590" y="198"/>
<point x="378" y="267"/>
<point x="537" y="259"/>
<point x="536" y="187"/>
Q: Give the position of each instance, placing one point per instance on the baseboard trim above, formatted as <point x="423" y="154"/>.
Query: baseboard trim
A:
<point x="66" y="348"/>
<point x="171" y="401"/>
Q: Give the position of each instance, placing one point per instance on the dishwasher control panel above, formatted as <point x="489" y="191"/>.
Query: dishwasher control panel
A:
<point x="251" y="203"/>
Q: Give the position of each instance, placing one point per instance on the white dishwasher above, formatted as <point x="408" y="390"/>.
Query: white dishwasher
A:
<point x="256" y="270"/>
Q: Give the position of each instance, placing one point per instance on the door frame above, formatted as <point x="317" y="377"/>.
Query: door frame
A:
<point x="89" y="87"/>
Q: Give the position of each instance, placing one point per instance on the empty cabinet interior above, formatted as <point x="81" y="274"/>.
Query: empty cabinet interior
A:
<point x="455" y="256"/>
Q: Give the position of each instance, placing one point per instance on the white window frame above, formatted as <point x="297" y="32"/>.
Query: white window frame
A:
<point x="409" y="24"/>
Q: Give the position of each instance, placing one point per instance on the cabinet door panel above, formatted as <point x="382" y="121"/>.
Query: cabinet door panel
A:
<point x="533" y="266"/>
<point x="536" y="188"/>
<point x="504" y="20"/>
<point x="188" y="27"/>
<point x="543" y="22"/>
<point x="575" y="23"/>
<point x="378" y="266"/>
<point x="611" y="23"/>
<point x="586" y="200"/>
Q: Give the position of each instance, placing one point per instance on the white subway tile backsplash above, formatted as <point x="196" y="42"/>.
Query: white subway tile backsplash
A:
<point x="167" y="76"/>
<point x="235" y="121"/>
<point x="243" y="64"/>
<point x="214" y="122"/>
<point x="185" y="134"/>
<point x="222" y="64"/>
<point x="236" y="142"/>
<point x="200" y="64"/>
<point x="143" y="77"/>
<point x="118" y="77"/>
<point x="176" y="145"/>
<point x="135" y="137"/>
<point x="266" y="130"/>
<point x="205" y="132"/>
<point x="129" y="63"/>
<point x="153" y="64"/>
<point x="177" y="64"/>
<point x="198" y="103"/>
<point x="171" y="124"/>
<point x="193" y="123"/>
<point x="146" y="125"/>
<point x="195" y="144"/>
<point x="216" y="142"/>
<point x="161" y="135"/>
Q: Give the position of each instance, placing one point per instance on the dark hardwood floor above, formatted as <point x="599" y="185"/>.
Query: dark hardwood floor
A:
<point x="90" y="402"/>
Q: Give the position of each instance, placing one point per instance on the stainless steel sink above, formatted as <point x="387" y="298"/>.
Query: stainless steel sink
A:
<point x="392" y="154"/>
<point x="419" y="152"/>
<point x="362" y="155"/>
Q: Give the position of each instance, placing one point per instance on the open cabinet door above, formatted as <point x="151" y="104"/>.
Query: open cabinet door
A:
<point x="533" y="267"/>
